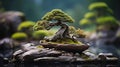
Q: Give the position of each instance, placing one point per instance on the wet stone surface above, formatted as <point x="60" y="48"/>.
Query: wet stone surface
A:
<point x="31" y="53"/>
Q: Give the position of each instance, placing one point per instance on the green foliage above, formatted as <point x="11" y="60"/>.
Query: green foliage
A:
<point x="97" y="5"/>
<point x="90" y="15"/>
<point x="57" y="14"/>
<point x="107" y="20"/>
<point x="76" y="32"/>
<point x="40" y="25"/>
<point x="85" y="21"/>
<point x="1" y="7"/>
<point x="80" y="33"/>
<point x="25" y="25"/>
<point x="19" y="36"/>
<point x="72" y="29"/>
<point x="40" y="34"/>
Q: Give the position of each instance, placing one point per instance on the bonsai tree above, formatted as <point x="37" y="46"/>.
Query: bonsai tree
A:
<point x="90" y="16"/>
<point x="100" y="14"/>
<point x="100" y="9"/>
<point x="60" y="18"/>
<point x="41" y="25"/>
<point x="85" y="21"/>
<point x="108" y="22"/>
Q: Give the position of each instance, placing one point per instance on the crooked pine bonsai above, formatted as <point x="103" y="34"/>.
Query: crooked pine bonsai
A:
<point x="56" y="17"/>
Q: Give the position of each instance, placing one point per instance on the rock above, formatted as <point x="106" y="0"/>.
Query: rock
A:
<point x="66" y="59"/>
<point x="56" y="59"/>
<point x="9" y="22"/>
<point x="47" y="59"/>
<point x="91" y="55"/>
<point x="28" y="46"/>
<point x="51" y="55"/>
<point x="107" y="56"/>
<point x="29" y="55"/>
<point x="72" y="47"/>
<point x="6" y="48"/>
<point x="67" y="47"/>
<point x="48" y="45"/>
<point x="16" y="53"/>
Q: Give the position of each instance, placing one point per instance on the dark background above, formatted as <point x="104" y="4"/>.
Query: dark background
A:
<point x="35" y="9"/>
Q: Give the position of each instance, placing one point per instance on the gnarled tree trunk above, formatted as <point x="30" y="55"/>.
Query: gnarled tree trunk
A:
<point x="63" y="32"/>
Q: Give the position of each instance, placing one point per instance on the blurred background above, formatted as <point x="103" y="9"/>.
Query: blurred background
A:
<point x="35" y="9"/>
<point x="100" y="19"/>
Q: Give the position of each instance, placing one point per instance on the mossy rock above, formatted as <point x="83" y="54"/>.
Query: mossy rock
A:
<point x="20" y="36"/>
<point x="76" y="48"/>
<point x="64" y="41"/>
<point x="66" y="45"/>
<point x="25" y="25"/>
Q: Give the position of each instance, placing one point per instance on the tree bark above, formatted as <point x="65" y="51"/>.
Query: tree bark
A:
<point x="63" y="32"/>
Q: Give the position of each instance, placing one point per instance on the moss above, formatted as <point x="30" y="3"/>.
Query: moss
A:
<point x="20" y="36"/>
<point x="57" y="14"/>
<point x="110" y="10"/>
<point x="67" y="41"/>
<point x="90" y="15"/>
<point x="98" y="5"/>
<point x="40" y="25"/>
<point x="80" y="33"/>
<point x="107" y="20"/>
<point x="40" y="34"/>
<point x="40" y="47"/>
<point x="72" y="29"/>
<point x="85" y="21"/>
<point x="85" y="57"/>
<point x="25" y="25"/>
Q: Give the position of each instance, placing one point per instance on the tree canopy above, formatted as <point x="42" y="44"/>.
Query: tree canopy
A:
<point x="40" y="34"/>
<point x="106" y="20"/>
<point x="85" y="21"/>
<point x="40" y="25"/>
<point x="90" y="15"/>
<point x="98" y="5"/>
<point x="57" y="14"/>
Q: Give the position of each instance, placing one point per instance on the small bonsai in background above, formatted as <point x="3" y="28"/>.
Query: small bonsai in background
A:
<point x="100" y="8"/>
<point x="90" y="15"/>
<point x="108" y="22"/>
<point x="100" y="15"/>
<point x="85" y="21"/>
